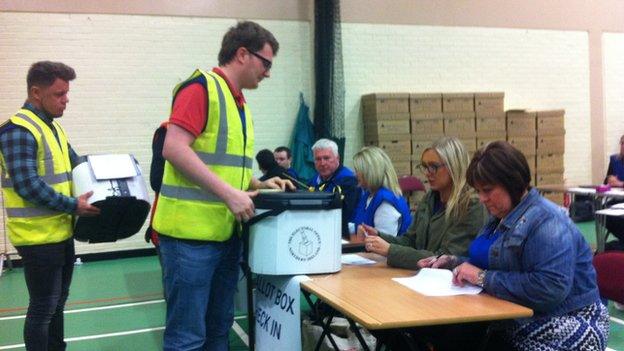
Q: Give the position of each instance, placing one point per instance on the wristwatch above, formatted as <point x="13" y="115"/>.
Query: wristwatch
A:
<point x="481" y="278"/>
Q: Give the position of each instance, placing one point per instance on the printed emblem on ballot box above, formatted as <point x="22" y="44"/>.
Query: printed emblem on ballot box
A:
<point x="304" y="243"/>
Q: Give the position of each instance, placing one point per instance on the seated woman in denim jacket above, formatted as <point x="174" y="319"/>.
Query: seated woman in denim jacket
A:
<point x="532" y="254"/>
<point x="448" y="218"/>
<point x="381" y="204"/>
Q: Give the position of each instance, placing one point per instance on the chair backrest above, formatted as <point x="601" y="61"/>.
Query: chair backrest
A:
<point x="409" y="184"/>
<point x="610" y="273"/>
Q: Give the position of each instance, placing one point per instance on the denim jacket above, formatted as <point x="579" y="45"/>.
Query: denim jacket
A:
<point x="540" y="260"/>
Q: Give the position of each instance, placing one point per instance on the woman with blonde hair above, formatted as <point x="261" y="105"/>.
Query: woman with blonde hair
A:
<point x="381" y="204"/>
<point x="447" y="218"/>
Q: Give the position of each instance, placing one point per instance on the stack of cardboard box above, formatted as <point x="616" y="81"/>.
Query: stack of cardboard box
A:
<point x="404" y="125"/>
<point x="427" y="122"/>
<point x="490" y="112"/>
<point x="459" y="118"/>
<point x="522" y="133"/>
<point x="387" y="125"/>
<point x="550" y="147"/>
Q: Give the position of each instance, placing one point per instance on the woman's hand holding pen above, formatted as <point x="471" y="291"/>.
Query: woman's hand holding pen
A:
<point x="364" y="231"/>
<point x="372" y="241"/>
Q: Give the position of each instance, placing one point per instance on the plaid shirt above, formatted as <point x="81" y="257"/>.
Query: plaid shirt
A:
<point x="19" y="148"/>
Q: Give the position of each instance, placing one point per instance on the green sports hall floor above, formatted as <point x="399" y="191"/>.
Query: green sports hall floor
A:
<point x="117" y="305"/>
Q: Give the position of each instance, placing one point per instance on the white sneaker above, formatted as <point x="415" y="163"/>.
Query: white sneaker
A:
<point x="618" y="306"/>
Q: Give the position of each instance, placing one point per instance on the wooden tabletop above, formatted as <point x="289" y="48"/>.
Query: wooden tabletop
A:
<point x="369" y="296"/>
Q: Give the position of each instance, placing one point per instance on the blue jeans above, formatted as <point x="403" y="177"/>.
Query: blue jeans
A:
<point x="200" y="281"/>
<point x="48" y="270"/>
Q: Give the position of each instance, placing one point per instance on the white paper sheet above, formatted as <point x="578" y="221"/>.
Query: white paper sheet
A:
<point x="436" y="282"/>
<point x="611" y="212"/>
<point x="618" y="206"/>
<point x="355" y="259"/>
<point x="112" y="166"/>
<point x="582" y="190"/>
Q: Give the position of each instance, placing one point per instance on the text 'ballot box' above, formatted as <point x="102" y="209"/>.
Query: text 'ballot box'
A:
<point x="295" y="233"/>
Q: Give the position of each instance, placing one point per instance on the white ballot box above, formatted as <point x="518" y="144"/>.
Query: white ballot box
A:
<point x="296" y="233"/>
<point x="120" y="193"/>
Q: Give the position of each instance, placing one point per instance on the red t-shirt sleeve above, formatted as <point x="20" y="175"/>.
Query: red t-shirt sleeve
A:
<point x="189" y="109"/>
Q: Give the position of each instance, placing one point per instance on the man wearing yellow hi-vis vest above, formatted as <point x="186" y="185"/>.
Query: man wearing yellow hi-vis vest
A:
<point x="36" y="161"/>
<point x="204" y="193"/>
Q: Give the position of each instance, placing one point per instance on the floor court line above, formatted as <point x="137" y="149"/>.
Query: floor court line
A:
<point x="616" y="320"/>
<point x="237" y="328"/>
<point x="91" y="337"/>
<point x="109" y="307"/>
<point x="139" y="297"/>
<point x="241" y="333"/>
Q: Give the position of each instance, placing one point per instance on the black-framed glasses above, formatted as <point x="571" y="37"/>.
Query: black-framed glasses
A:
<point x="431" y="168"/>
<point x="265" y="62"/>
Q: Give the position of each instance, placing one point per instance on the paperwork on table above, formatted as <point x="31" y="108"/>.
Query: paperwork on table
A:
<point x="356" y="260"/>
<point x="436" y="282"/>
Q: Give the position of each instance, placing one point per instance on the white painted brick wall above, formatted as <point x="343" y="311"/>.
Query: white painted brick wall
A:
<point x="613" y="63"/>
<point x="127" y="67"/>
<point x="535" y="68"/>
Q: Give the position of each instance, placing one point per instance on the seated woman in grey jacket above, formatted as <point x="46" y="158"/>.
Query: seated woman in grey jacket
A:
<point x="448" y="217"/>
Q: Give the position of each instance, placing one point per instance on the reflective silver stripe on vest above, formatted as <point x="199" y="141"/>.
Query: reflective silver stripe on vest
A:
<point x="218" y="158"/>
<point x="183" y="193"/>
<point x="47" y="159"/>
<point x="224" y="159"/>
<point x="28" y="212"/>
<point x="48" y="179"/>
<point x="222" y="139"/>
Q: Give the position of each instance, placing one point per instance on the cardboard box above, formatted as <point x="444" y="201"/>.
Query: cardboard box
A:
<point x="459" y="124"/>
<point x="393" y="146"/>
<point x="526" y="145"/>
<point x="550" y="145"/>
<point x="426" y="115"/>
<point x="402" y="167"/>
<point x="419" y="146"/>
<point x="375" y="117"/>
<point x="521" y="123"/>
<point x="470" y="144"/>
<point x="369" y="139"/>
<point x="489" y="102"/>
<point x="387" y="127"/>
<point x="457" y="102"/>
<point x="555" y="178"/>
<point x="549" y="163"/>
<point x="551" y="122"/>
<point x="431" y="102"/>
<point x="483" y="141"/>
<point x="488" y="124"/>
<point x="427" y="128"/>
<point x="385" y="103"/>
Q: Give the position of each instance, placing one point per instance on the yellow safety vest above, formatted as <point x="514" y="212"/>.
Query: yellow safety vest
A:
<point x="30" y="224"/>
<point x="184" y="210"/>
